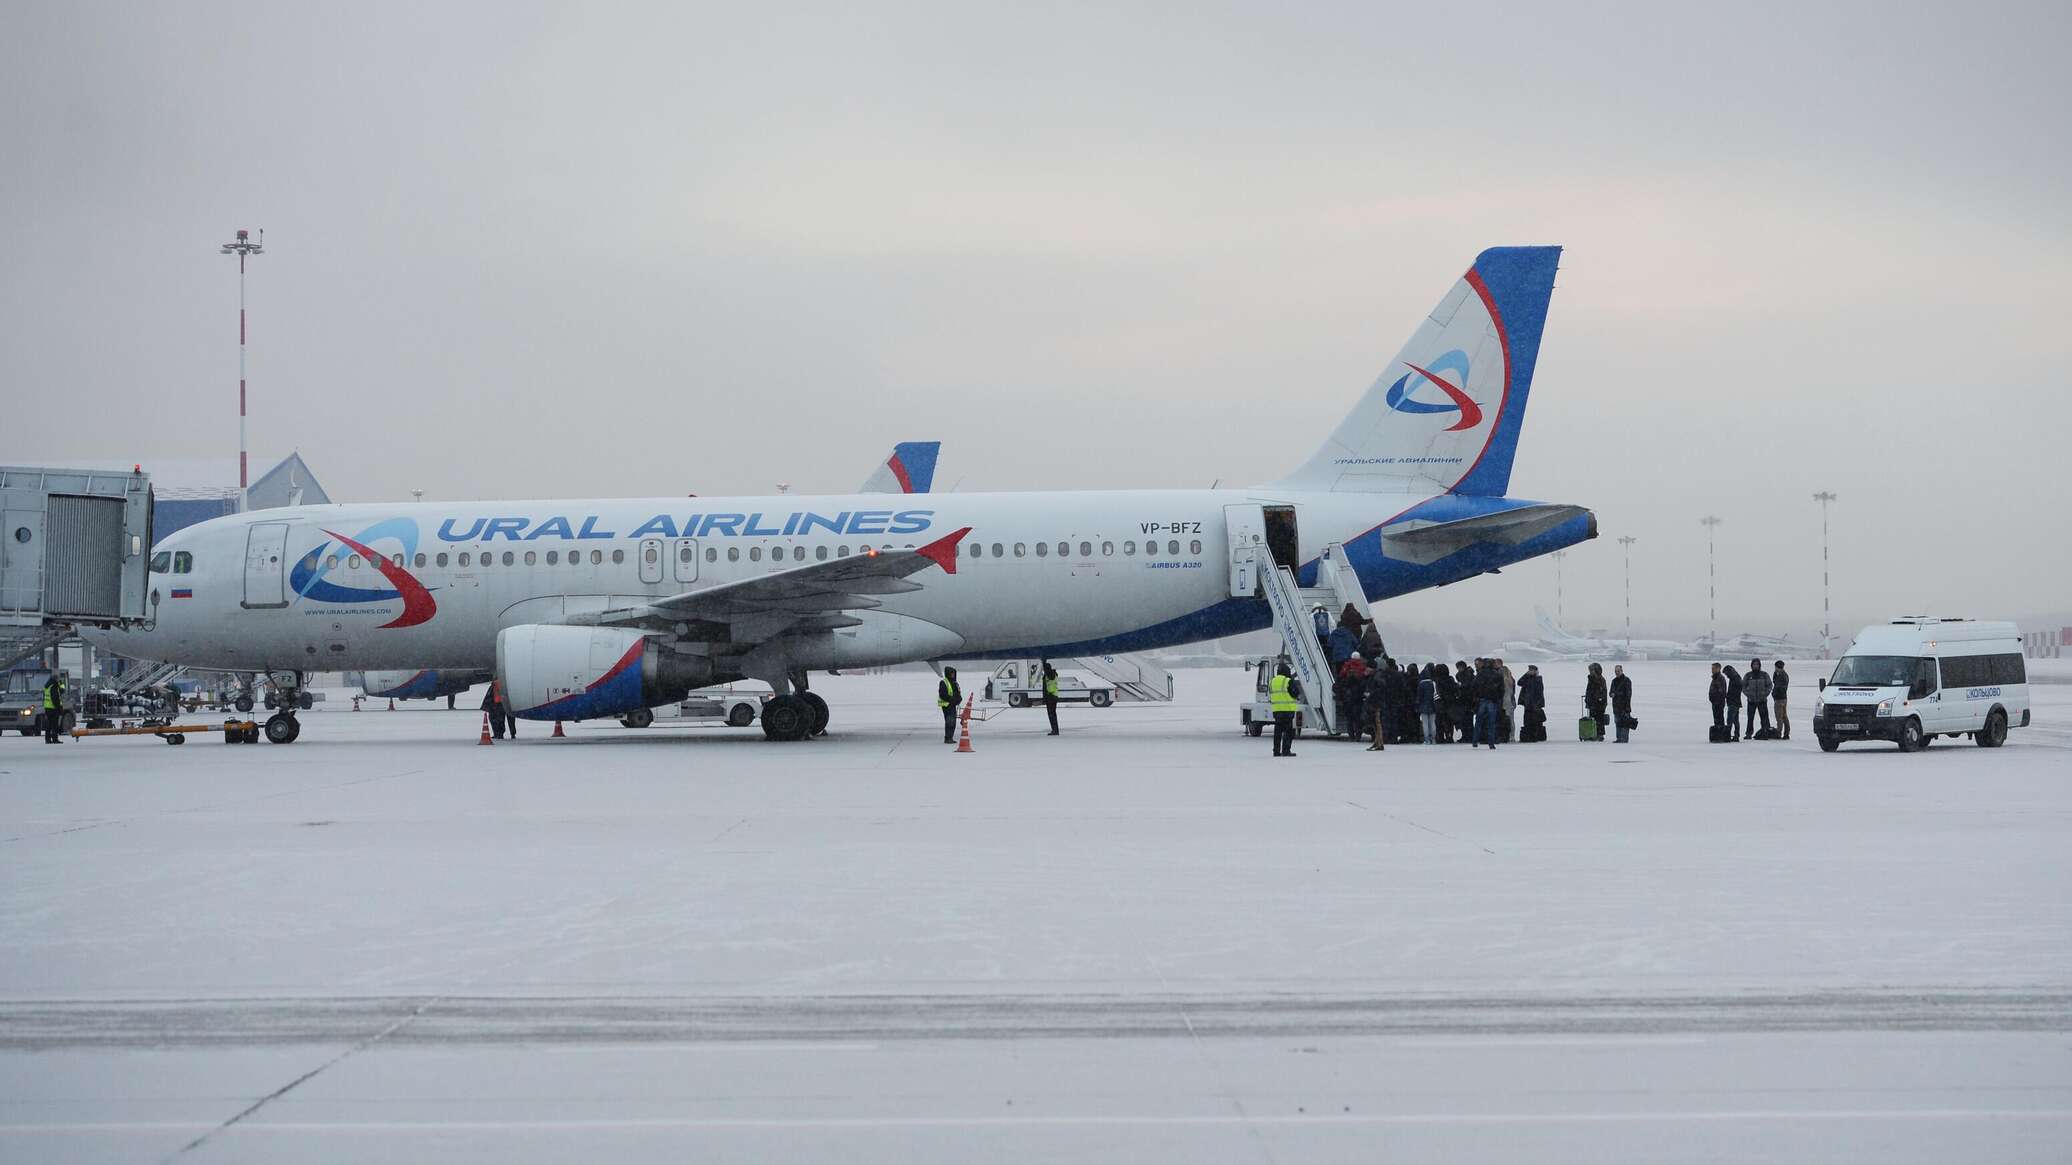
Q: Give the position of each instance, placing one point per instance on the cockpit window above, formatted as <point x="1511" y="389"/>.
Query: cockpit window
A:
<point x="161" y="562"/>
<point x="183" y="562"/>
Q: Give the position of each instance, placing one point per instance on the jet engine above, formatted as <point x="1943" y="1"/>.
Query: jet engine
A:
<point x="555" y="672"/>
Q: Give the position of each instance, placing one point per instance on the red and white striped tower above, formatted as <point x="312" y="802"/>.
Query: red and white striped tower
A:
<point x="243" y="247"/>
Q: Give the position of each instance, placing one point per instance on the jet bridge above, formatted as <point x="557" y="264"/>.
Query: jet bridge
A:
<point x="74" y="552"/>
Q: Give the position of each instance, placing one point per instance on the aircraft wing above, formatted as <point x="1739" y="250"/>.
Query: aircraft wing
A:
<point x="1423" y="542"/>
<point x="811" y="597"/>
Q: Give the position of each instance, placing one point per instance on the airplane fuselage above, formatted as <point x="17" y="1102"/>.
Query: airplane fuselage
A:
<point x="328" y="588"/>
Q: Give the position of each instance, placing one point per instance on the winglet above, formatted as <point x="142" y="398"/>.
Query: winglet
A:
<point x="943" y="551"/>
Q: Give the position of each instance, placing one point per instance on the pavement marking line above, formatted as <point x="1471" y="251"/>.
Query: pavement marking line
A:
<point x="1721" y="1116"/>
<point x="297" y="1082"/>
<point x="1417" y="825"/>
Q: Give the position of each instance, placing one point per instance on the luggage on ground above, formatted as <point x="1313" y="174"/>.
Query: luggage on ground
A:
<point x="1586" y="729"/>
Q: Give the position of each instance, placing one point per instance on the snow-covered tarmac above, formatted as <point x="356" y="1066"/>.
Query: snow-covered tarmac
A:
<point x="1144" y="939"/>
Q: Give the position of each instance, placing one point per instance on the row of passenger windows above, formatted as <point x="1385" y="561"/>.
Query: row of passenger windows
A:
<point x="182" y="562"/>
<point x="1086" y="549"/>
<point x="1977" y="671"/>
<point x="172" y="562"/>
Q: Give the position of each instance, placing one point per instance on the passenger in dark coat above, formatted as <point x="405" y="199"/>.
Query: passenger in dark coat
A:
<point x="1376" y="692"/>
<point x="1489" y="703"/>
<point x="1427" y="707"/>
<point x="1717" y="693"/>
<point x="1595" y="698"/>
<point x="1449" y="699"/>
<point x="1532" y="696"/>
<point x="1733" y="702"/>
<point x="1756" y="686"/>
<point x="1463" y="702"/>
<point x="1350" y="691"/>
<point x="1622" y="702"/>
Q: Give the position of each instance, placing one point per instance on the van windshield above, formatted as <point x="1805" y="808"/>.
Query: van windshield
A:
<point x="1875" y="671"/>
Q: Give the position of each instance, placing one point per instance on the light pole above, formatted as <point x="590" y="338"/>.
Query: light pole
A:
<point x="1826" y="611"/>
<point x="417" y="495"/>
<point x="1626" y="542"/>
<point x="244" y="247"/>
<point x="1560" y="610"/>
<point x="1711" y="523"/>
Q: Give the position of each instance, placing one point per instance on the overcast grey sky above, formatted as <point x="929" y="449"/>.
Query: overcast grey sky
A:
<point x="609" y="250"/>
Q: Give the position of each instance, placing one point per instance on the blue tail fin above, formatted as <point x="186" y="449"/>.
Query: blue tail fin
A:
<point x="1445" y="414"/>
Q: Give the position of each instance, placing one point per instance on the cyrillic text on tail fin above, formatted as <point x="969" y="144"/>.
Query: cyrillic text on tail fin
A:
<point x="1444" y="416"/>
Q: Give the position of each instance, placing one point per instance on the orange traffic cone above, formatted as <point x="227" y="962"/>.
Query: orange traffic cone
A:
<point x="485" y="730"/>
<point x="964" y="736"/>
<point x="557" y="729"/>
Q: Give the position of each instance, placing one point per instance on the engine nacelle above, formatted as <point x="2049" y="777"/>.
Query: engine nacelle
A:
<point x="556" y="672"/>
<point x="426" y="684"/>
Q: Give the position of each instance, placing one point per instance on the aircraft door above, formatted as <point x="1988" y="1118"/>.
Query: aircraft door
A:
<point x="266" y="575"/>
<point x="686" y="560"/>
<point x="1245" y="529"/>
<point x="651" y="560"/>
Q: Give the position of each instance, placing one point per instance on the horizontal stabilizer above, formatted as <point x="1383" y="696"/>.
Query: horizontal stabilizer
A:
<point x="1422" y="543"/>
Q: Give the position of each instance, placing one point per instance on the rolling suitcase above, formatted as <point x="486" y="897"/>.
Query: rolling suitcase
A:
<point x="1586" y="729"/>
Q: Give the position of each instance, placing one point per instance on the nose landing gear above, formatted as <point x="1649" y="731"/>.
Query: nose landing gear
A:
<point x="286" y="695"/>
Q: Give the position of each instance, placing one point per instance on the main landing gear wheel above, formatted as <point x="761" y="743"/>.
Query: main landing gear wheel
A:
<point x="282" y="728"/>
<point x="787" y="718"/>
<point x="638" y="718"/>
<point x="819" y="707"/>
<point x="243" y="703"/>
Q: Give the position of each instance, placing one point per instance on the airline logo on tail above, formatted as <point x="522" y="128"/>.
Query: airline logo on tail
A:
<point x="308" y="574"/>
<point x="1401" y="396"/>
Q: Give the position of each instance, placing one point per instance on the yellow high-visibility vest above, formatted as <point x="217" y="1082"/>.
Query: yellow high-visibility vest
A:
<point x="1283" y="700"/>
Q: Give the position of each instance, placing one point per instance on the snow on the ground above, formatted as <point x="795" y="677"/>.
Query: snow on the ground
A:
<point x="1157" y="937"/>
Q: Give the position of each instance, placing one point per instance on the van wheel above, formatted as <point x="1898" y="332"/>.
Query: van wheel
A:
<point x="741" y="717"/>
<point x="1828" y="743"/>
<point x="1017" y="700"/>
<point x="1995" y="732"/>
<point x="1910" y="738"/>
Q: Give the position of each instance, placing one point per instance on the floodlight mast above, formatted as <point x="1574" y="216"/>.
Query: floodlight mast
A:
<point x="1826" y="605"/>
<point x="243" y="247"/>
<point x="1711" y="522"/>
<point x="1626" y="548"/>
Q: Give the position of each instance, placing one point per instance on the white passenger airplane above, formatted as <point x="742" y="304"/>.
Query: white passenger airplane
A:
<point x="595" y="608"/>
<point x="910" y="470"/>
<point x="1557" y="644"/>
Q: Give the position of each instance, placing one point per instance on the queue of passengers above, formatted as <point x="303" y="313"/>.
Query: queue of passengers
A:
<point x="1484" y="703"/>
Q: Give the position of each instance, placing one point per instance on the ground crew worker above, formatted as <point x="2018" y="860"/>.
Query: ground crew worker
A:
<point x="947" y="696"/>
<point x="53" y="706"/>
<point x="1050" y="695"/>
<point x="493" y="703"/>
<point x="1285" y="694"/>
